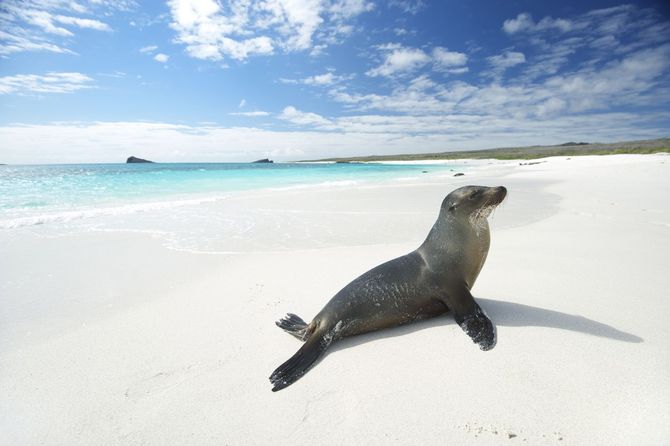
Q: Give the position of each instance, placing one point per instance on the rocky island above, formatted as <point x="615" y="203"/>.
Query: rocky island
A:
<point x="134" y="159"/>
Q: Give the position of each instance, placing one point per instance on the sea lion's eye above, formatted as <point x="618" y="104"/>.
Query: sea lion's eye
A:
<point x="475" y="194"/>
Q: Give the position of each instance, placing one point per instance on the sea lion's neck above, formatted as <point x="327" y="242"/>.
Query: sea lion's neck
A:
<point x="457" y="241"/>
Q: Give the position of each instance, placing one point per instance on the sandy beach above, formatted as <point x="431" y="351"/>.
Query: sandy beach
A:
<point x="117" y="338"/>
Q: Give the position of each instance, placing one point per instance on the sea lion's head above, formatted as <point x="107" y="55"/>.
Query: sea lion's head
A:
<point x="475" y="202"/>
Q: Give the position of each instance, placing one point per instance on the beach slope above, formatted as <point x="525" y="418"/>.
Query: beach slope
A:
<point x="112" y="338"/>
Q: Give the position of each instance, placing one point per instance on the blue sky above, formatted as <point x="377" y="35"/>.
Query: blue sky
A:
<point x="201" y="80"/>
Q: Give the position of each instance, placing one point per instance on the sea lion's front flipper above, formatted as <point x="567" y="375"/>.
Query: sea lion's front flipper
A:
<point x="472" y="319"/>
<point x="479" y="327"/>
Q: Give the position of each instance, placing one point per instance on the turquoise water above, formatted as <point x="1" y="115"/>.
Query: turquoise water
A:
<point x="45" y="194"/>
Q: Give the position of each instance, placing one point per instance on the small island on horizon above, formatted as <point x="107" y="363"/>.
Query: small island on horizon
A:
<point x="134" y="159"/>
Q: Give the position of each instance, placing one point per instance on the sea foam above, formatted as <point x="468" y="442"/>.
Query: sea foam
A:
<point x="67" y="216"/>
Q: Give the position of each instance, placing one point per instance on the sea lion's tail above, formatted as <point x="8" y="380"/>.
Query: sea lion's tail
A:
<point x="300" y="363"/>
<point x="293" y="325"/>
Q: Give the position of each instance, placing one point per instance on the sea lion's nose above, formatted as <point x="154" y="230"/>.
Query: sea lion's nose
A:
<point x="503" y="191"/>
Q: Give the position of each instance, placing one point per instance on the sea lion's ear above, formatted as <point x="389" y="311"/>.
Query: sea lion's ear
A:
<point x="452" y="207"/>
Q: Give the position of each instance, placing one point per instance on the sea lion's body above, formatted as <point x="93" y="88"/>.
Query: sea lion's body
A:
<point x="433" y="279"/>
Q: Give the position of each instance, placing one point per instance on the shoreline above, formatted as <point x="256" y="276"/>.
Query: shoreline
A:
<point x="637" y="147"/>
<point x="133" y="342"/>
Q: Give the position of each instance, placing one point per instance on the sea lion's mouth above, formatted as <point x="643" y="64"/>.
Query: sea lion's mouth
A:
<point x="482" y="213"/>
<point x="495" y="196"/>
<point x="498" y="195"/>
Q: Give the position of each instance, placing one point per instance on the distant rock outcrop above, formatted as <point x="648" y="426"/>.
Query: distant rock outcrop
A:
<point x="264" y="160"/>
<point x="459" y="174"/>
<point x="134" y="159"/>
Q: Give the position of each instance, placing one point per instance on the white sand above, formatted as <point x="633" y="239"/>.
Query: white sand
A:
<point x="111" y="338"/>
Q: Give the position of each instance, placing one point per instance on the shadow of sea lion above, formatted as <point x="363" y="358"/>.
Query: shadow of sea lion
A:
<point x="504" y="314"/>
<point x="509" y="314"/>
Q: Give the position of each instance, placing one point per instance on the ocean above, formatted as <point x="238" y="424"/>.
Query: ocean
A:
<point x="167" y="199"/>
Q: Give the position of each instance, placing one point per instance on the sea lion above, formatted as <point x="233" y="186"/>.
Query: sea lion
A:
<point x="435" y="278"/>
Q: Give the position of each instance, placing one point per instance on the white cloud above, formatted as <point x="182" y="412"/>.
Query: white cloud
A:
<point x="552" y="58"/>
<point x="148" y="49"/>
<point x="524" y="23"/>
<point x="252" y="114"/>
<point x="122" y="5"/>
<point x="408" y="6"/>
<point x="44" y="20"/>
<point x="47" y="26"/>
<point x="626" y="81"/>
<point x="240" y="29"/>
<point x="501" y="62"/>
<point x="399" y="60"/>
<point x="82" y="23"/>
<point x="459" y="70"/>
<point x="320" y="79"/>
<point x="550" y="107"/>
<point x="284" y="80"/>
<point x="345" y="9"/>
<point x="318" y="50"/>
<point x="328" y="78"/>
<point x="598" y="35"/>
<point x="638" y="79"/>
<point x="449" y="61"/>
<point x="296" y="116"/>
<point x="421" y="96"/>
<point x="16" y="43"/>
<point x="446" y="58"/>
<point x="162" y="58"/>
<point x="116" y="74"/>
<point x="302" y="20"/>
<point x="507" y="59"/>
<point x="48" y="83"/>
<point x="600" y="28"/>
<point x="243" y="102"/>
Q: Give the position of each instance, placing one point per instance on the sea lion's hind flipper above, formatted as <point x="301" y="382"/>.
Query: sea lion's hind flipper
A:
<point x="293" y="325"/>
<point x="300" y="363"/>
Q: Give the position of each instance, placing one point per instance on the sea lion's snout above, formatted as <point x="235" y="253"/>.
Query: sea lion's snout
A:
<point x="502" y="193"/>
<point x="498" y="195"/>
